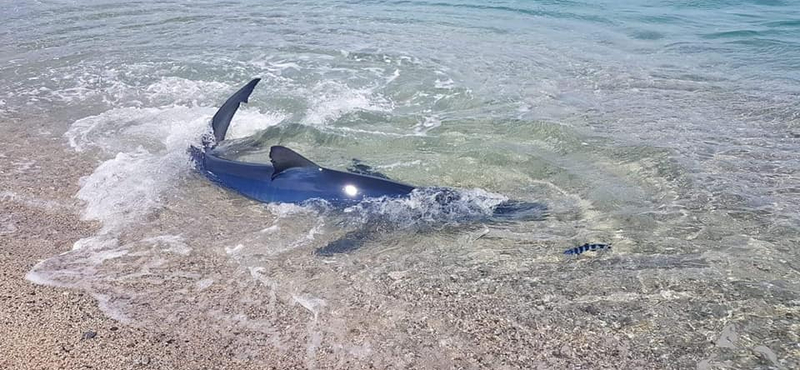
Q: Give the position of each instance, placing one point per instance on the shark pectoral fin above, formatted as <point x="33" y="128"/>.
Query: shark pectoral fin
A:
<point x="222" y="119"/>
<point x="283" y="158"/>
<point x="348" y="243"/>
<point x="513" y="210"/>
<point x="351" y="240"/>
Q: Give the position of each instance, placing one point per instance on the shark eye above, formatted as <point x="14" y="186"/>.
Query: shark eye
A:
<point x="350" y="190"/>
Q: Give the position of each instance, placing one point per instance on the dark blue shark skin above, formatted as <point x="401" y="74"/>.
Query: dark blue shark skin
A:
<point x="298" y="184"/>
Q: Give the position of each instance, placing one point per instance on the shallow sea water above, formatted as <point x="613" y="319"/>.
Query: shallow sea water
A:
<point x="670" y="129"/>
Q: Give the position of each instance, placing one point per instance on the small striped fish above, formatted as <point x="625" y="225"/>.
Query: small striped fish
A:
<point x="586" y="247"/>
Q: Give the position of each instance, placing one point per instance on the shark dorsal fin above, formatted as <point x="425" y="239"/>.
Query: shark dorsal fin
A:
<point x="283" y="158"/>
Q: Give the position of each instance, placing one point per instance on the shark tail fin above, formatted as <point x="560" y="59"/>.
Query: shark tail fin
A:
<point x="222" y="119"/>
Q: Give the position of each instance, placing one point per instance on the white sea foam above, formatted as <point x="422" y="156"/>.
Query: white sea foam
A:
<point x="149" y="156"/>
<point x="203" y="284"/>
<point x="36" y="276"/>
<point x="7" y="225"/>
<point x="312" y="304"/>
<point x="426" y="207"/>
<point x="170" y="244"/>
<point x="348" y="130"/>
<point x="394" y="76"/>
<point x="283" y="65"/>
<point x="282" y="210"/>
<point x="115" y="87"/>
<point x="98" y="242"/>
<point x="97" y="257"/>
<point x="271" y="229"/>
<point x="234" y="250"/>
<point x="33" y="202"/>
<point x="333" y="100"/>
<point x="414" y="163"/>
<point x="111" y="309"/>
<point x="125" y="129"/>
<point x="167" y="89"/>
<point x="250" y="121"/>
<point x="429" y="123"/>
<point x="444" y="84"/>
<point x="24" y="166"/>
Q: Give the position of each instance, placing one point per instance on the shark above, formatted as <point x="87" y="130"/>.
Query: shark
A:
<point x="290" y="177"/>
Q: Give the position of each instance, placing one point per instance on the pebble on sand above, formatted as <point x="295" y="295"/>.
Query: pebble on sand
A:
<point x="89" y="335"/>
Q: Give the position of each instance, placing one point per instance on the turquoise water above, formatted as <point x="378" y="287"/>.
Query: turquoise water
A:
<point x="670" y="128"/>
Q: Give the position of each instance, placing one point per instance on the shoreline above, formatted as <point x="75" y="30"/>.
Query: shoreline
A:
<point x="47" y="327"/>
